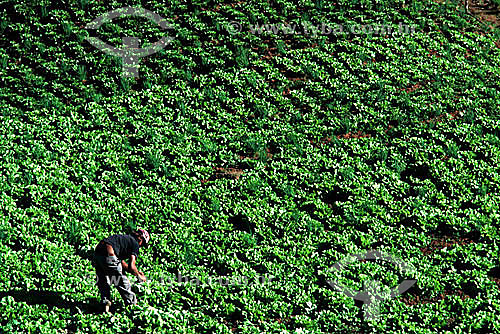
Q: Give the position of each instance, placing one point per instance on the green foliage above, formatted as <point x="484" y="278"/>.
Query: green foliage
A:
<point x="250" y="154"/>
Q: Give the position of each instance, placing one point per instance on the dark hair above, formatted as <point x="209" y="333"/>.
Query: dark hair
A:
<point x="138" y="237"/>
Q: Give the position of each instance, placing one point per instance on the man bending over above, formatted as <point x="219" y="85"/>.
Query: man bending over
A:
<point x="109" y="262"/>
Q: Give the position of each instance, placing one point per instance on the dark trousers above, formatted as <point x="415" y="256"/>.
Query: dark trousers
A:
<point x="109" y="272"/>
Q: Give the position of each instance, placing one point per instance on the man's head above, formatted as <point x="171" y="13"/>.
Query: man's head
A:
<point x="142" y="237"/>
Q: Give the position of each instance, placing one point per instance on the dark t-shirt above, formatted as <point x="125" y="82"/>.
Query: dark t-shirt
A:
<point x="123" y="245"/>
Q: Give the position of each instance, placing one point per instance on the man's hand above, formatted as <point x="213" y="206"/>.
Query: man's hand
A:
<point x="141" y="277"/>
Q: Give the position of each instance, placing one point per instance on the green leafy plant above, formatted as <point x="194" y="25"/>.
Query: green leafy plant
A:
<point x="335" y="144"/>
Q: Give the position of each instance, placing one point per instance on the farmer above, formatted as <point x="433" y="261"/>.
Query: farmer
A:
<point x="109" y="261"/>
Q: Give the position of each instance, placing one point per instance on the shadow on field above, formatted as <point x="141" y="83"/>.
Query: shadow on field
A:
<point x="84" y="254"/>
<point x="52" y="299"/>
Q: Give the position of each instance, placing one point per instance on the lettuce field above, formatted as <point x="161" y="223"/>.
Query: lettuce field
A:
<point x="251" y="152"/>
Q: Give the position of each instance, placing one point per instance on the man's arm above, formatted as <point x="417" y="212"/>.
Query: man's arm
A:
<point x="125" y="266"/>
<point x="133" y="269"/>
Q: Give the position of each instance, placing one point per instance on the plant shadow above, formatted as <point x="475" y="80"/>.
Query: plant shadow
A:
<point x="84" y="254"/>
<point x="53" y="299"/>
